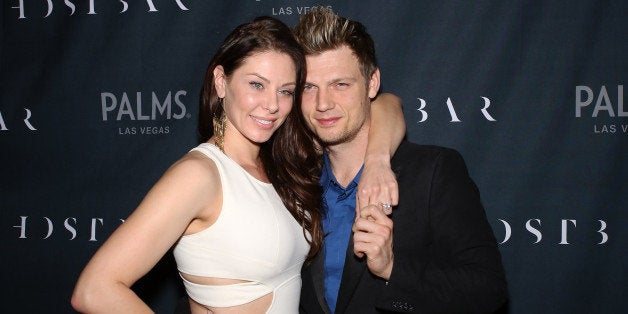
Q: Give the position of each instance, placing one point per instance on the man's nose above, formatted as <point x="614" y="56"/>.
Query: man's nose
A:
<point x="323" y="100"/>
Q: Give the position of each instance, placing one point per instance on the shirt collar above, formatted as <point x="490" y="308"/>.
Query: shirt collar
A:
<point x="328" y="178"/>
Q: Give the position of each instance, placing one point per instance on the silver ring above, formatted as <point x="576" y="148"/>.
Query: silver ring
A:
<point x="386" y="206"/>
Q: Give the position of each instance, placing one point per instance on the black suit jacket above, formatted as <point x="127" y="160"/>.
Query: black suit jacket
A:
<point x="446" y="258"/>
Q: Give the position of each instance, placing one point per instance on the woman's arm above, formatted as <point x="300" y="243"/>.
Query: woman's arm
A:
<point x="143" y="239"/>
<point x="378" y="183"/>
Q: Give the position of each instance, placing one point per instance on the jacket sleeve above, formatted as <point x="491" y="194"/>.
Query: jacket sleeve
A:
<point x="458" y="268"/>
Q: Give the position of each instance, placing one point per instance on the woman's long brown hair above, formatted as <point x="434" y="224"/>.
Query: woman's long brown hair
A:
<point x="290" y="156"/>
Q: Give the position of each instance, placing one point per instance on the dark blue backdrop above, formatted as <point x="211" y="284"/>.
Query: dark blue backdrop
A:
<point x="99" y="97"/>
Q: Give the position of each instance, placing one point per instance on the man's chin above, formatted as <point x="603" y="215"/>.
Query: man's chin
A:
<point x="330" y="140"/>
<point x="335" y="138"/>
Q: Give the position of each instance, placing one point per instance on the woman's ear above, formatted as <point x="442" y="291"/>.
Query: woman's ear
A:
<point x="220" y="81"/>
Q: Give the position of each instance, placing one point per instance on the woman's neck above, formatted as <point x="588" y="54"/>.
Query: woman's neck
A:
<point x="246" y="154"/>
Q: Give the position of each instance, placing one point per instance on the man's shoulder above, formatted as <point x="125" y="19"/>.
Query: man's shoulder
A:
<point x="412" y="151"/>
<point x="416" y="160"/>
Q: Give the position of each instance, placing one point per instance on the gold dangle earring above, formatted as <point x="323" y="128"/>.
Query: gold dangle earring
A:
<point x="219" y="128"/>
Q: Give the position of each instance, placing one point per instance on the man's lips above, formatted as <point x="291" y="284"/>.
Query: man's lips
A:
<point x="327" y="121"/>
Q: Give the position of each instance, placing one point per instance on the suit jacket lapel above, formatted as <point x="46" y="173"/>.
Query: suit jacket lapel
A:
<point x="317" y="270"/>
<point x="352" y="272"/>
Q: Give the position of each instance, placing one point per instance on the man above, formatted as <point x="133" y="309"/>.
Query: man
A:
<point x="436" y="253"/>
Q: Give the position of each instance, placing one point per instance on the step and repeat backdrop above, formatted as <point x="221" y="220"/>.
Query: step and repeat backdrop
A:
<point x="99" y="97"/>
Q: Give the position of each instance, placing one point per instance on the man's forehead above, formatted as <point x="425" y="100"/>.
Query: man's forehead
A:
<point x="341" y="52"/>
<point x="333" y="64"/>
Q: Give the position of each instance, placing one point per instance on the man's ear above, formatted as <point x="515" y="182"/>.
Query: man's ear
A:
<point x="220" y="81"/>
<point x="374" y="84"/>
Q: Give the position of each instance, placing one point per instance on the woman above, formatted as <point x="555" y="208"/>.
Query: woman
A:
<point x="242" y="208"/>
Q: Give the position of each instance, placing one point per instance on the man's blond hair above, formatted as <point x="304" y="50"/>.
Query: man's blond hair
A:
<point x="321" y="30"/>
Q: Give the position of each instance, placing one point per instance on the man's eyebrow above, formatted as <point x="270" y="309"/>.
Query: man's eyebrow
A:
<point x="336" y="80"/>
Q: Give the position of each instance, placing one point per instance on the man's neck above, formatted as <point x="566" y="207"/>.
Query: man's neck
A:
<point x="347" y="158"/>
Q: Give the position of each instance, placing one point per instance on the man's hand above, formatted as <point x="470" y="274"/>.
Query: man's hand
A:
<point x="373" y="237"/>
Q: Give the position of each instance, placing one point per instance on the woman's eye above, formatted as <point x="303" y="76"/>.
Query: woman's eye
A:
<point x="256" y="85"/>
